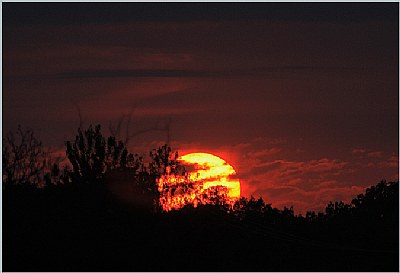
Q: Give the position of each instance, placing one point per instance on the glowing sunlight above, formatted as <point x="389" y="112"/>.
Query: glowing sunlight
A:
<point x="208" y="180"/>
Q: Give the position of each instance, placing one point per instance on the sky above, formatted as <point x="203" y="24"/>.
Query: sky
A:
<point x="300" y="98"/>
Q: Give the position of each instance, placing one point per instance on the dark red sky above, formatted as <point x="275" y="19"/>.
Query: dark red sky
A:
<point x="302" y="99"/>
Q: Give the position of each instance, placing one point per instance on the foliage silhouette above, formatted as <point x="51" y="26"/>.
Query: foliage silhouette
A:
<point x="91" y="155"/>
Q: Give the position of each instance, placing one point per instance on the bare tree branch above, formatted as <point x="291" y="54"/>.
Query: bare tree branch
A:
<point x="167" y="128"/>
<point x="24" y="159"/>
<point x="78" y="108"/>
<point x="125" y="120"/>
<point x="128" y="124"/>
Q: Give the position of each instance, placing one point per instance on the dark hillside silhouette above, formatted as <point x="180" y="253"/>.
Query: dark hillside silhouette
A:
<point x="104" y="215"/>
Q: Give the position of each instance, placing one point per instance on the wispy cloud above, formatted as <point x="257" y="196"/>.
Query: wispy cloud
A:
<point x="186" y="73"/>
<point x="358" y="151"/>
<point x="266" y="152"/>
<point x="391" y="162"/>
<point x="375" y="154"/>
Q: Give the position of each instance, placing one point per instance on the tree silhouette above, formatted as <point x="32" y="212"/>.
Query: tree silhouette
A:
<point x="311" y="216"/>
<point x="114" y="203"/>
<point x="91" y="155"/>
<point x="25" y="161"/>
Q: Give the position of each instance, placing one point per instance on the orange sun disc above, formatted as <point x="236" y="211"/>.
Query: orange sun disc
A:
<point x="207" y="172"/>
<point x="213" y="171"/>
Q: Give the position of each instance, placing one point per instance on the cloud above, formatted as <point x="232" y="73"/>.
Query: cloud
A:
<point x="391" y="162"/>
<point x="304" y="200"/>
<point x="367" y="153"/>
<point x="375" y="154"/>
<point x="280" y="171"/>
<point x="101" y="13"/>
<point x="324" y="165"/>
<point x="358" y="151"/>
<point x="143" y="73"/>
<point x="185" y="73"/>
<point x="266" y="152"/>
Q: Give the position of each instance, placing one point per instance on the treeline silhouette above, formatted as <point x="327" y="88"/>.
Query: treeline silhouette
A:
<point x="103" y="214"/>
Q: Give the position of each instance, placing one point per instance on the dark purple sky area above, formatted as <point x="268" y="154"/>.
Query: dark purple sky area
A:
<point x="302" y="99"/>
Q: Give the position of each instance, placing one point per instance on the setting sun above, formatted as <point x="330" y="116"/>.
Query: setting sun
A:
<point x="213" y="171"/>
<point x="207" y="175"/>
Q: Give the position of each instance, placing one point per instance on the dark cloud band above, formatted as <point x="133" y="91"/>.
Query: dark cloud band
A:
<point x="178" y="73"/>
